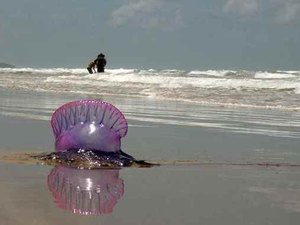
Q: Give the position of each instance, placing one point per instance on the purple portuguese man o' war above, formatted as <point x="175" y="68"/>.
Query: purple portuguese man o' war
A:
<point x="88" y="134"/>
<point x="89" y="125"/>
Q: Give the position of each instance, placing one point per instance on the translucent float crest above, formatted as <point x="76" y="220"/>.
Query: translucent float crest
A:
<point x="89" y="125"/>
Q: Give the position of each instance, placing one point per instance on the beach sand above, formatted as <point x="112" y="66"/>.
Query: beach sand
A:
<point x="228" y="184"/>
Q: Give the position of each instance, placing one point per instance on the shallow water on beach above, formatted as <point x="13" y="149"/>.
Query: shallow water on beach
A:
<point x="234" y="189"/>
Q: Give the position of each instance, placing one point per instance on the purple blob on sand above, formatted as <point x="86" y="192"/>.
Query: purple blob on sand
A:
<point x="89" y="125"/>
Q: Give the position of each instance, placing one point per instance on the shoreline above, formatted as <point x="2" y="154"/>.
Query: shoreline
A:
<point x="219" y="166"/>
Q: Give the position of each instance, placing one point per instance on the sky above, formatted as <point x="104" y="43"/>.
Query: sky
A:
<point x="152" y="34"/>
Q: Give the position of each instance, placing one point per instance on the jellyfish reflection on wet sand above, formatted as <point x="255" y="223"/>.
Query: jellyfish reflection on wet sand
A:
<point x="86" y="192"/>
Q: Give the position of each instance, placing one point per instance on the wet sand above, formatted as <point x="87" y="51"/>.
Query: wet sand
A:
<point x="234" y="188"/>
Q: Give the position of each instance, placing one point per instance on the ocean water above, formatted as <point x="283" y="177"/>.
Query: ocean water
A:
<point x="232" y="120"/>
<point x="252" y="89"/>
<point x="244" y="102"/>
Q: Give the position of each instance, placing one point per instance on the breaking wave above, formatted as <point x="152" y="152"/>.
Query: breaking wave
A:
<point x="275" y="89"/>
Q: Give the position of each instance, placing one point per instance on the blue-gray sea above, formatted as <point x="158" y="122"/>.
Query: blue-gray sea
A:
<point x="229" y="139"/>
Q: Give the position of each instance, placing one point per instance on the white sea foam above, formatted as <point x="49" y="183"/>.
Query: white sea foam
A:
<point x="216" y="73"/>
<point x="276" y="90"/>
<point x="289" y="71"/>
<point x="268" y="75"/>
<point x="133" y="79"/>
<point x="121" y="71"/>
<point x="42" y="70"/>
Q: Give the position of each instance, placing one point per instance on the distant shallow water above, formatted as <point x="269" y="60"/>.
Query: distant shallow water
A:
<point x="276" y="123"/>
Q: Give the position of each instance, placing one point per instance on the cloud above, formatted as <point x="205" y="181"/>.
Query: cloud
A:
<point x="288" y="12"/>
<point x="147" y="14"/>
<point x="280" y="11"/>
<point x="243" y="7"/>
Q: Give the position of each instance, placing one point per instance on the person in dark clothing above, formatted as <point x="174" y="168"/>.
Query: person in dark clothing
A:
<point x="100" y="63"/>
<point x="91" y="67"/>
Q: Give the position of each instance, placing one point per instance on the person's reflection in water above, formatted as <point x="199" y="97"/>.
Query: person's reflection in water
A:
<point x="86" y="192"/>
